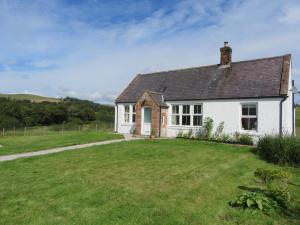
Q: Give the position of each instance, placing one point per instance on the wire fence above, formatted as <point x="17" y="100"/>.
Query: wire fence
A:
<point x="55" y="129"/>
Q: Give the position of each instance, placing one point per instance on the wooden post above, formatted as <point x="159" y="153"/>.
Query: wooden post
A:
<point x="96" y="127"/>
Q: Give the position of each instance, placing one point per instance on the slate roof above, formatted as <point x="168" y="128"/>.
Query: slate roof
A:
<point x="259" y="78"/>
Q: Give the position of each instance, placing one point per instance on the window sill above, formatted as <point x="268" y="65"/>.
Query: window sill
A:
<point x="249" y="132"/>
<point x="127" y="124"/>
<point x="184" y="126"/>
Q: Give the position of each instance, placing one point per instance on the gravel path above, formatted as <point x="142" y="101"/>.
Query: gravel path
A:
<point x="61" y="149"/>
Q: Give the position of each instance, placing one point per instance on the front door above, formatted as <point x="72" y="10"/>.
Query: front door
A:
<point x="147" y="121"/>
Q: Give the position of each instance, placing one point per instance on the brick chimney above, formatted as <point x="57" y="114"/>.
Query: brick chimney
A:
<point x="225" y="54"/>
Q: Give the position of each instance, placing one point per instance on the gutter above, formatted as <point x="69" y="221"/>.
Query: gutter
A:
<point x="293" y="109"/>
<point x="280" y="114"/>
<point x="117" y="125"/>
<point x="159" y="132"/>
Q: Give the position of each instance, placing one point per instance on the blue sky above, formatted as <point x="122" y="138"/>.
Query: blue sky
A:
<point x="92" y="49"/>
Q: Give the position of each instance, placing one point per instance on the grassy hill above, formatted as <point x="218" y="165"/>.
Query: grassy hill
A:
<point x="30" y="97"/>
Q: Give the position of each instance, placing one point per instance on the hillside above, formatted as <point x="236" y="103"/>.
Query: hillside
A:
<point x="30" y="97"/>
<point x="16" y="113"/>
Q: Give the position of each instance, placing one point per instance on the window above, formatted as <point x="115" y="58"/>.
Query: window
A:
<point x="126" y="113"/>
<point x="133" y="113"/>
<point x="175" y="115"/>
<point x="197" y="117"/>
<point x="186" y="117"/>
<point x="249" y="117"/>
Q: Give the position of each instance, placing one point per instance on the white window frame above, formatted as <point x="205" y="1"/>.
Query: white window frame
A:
<point x="186" y="114"/>
<point x="133" y="113"/>
<point x="249" y="116"/>
<point x="130" y="114"/>
<point x="197" y="114"/>
<point x="180" y="114"/>
<point x="125" y="114"/>
<point x="175" y="114"/>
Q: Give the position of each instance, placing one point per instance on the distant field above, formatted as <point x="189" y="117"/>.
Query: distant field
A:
<point x="33" y="98"/>
<point x="18" y="144"/>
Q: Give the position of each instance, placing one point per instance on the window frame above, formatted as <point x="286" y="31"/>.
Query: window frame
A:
<point x="133" y="114"/>
<point x="186" y="114"/>
<point x="197" y="114"/>
<point x="175" y="114"/>
<point x="126" y="114"/>
<point x="181" y="114"/>
<point x="249" y="116"/>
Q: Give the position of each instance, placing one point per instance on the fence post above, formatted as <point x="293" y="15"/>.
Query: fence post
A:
<point x="96" y="127"/>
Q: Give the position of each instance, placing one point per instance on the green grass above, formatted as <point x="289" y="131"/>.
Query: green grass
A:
<point x="141" y="182"/>
<point x="30" y="97"/>
<point x="18" y="144"/>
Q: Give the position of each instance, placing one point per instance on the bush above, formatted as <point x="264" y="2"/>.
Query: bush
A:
<point x="219" y="132"/>
<point x="273" y="193"/>
<point x="245" y="139"/>
<point x="208" y="127"/>
<point x="284" y="150"/>
<point x="179" y="134"/>
<point x="253" y="200"/>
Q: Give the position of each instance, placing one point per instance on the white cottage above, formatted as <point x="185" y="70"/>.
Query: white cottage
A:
<point x="253" y="97"/>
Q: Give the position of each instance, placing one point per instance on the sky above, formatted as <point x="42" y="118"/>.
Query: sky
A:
<point x="92" y="49"/>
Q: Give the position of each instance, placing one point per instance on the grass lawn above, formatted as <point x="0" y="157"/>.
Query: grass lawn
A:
<point x="139" y="182"/>
<point x="18" y="144"/>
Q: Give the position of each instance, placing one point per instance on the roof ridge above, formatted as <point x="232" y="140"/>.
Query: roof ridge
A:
<point x="198" y="67"/>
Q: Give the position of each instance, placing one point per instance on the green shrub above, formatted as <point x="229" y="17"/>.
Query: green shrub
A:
<point x="200" y="134"/>
<point x="179" y="134"/>
<point x="253" y="200"/>
<point x="208" y="127"/>
<point x="284" y="150"/>
<point x="245" y="139"/>
<point x="190" y="133"/>
<point x="153" y="131"/>
<point x="273" y="192"/>
<point x="219" y="132"/>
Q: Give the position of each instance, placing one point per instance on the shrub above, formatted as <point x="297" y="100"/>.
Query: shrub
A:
<point x="272" y="194"/>
<point x="284" y="150"/>
<point x="219" y="132"/>
<point x="153" y="131"/>
<point x="200" y="134"/>
<point x="179" y="134"/>
<point x="253" y="200"/>
<point x="208" y="127"/>
<point x="245" y="139"/>
<point x="133" y="131"/>
<point x="190" y="133"/>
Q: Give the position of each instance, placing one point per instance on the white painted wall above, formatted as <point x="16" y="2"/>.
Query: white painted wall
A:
<point x="122" y="127"/>
<point x="229" y="111"/>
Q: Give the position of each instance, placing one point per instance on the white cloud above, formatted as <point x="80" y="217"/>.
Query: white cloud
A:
<point x="97" y="62"/>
